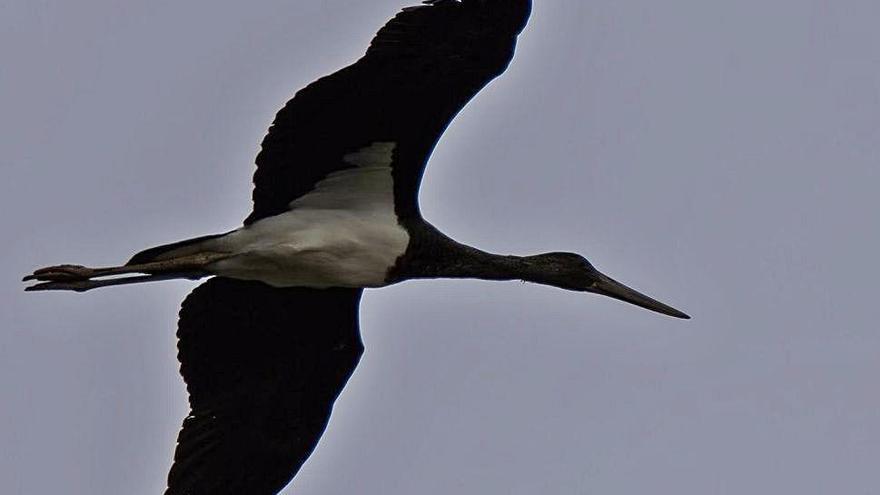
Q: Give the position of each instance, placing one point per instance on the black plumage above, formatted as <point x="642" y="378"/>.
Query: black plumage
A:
<point x="262" y="367"/>
<point x="419" y="72"/>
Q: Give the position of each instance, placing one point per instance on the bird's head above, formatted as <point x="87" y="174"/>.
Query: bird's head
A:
<point x="573" y="272"/>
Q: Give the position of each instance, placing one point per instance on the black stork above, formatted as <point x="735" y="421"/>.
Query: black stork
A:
<point x="268" y="343"/>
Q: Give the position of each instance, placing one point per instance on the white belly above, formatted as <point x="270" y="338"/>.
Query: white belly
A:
<point x="344" y="233"/>
<point x="315" y="248"/>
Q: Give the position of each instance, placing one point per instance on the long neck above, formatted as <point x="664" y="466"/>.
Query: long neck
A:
<point x="437" y="256"/>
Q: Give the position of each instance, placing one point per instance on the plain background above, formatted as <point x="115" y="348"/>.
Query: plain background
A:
<point x="721" y="156"/>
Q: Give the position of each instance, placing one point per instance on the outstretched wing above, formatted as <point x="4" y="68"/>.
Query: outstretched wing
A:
<point x="263" y="367"/>
<point x="420" y="70"/>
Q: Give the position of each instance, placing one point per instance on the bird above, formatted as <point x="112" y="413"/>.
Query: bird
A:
<point x="268" y="342"/>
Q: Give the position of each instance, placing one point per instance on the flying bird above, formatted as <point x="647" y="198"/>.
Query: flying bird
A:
<point x="267" y="344"/>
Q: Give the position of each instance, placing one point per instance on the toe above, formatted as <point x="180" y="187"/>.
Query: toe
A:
<point x="60" y="273"/>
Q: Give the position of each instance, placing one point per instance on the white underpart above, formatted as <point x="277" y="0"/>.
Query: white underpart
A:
<point x="344" y="233"/>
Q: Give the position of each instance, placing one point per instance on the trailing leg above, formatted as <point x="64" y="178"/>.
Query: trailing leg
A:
<point x="82" y="278"/>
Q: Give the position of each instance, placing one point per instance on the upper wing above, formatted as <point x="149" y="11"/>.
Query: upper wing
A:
<point x="263" y="367"/>
<point x="420" y="70"/>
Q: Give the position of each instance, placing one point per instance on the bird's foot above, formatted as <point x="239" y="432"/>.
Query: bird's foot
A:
<point x="63" y="277"/>
<point x="76" y="286"/>
<point x="61" y="273"/>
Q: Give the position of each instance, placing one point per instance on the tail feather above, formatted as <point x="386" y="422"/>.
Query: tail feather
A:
<point x="173" y="250"/>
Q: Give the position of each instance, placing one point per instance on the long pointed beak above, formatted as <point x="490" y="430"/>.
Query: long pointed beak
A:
<point x="607" y="286"/>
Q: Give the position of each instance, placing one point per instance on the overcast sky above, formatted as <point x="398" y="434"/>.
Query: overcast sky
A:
<point x="720" y="156"/>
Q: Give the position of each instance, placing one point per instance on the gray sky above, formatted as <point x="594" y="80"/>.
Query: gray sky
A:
<point x="721" y="156"/>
